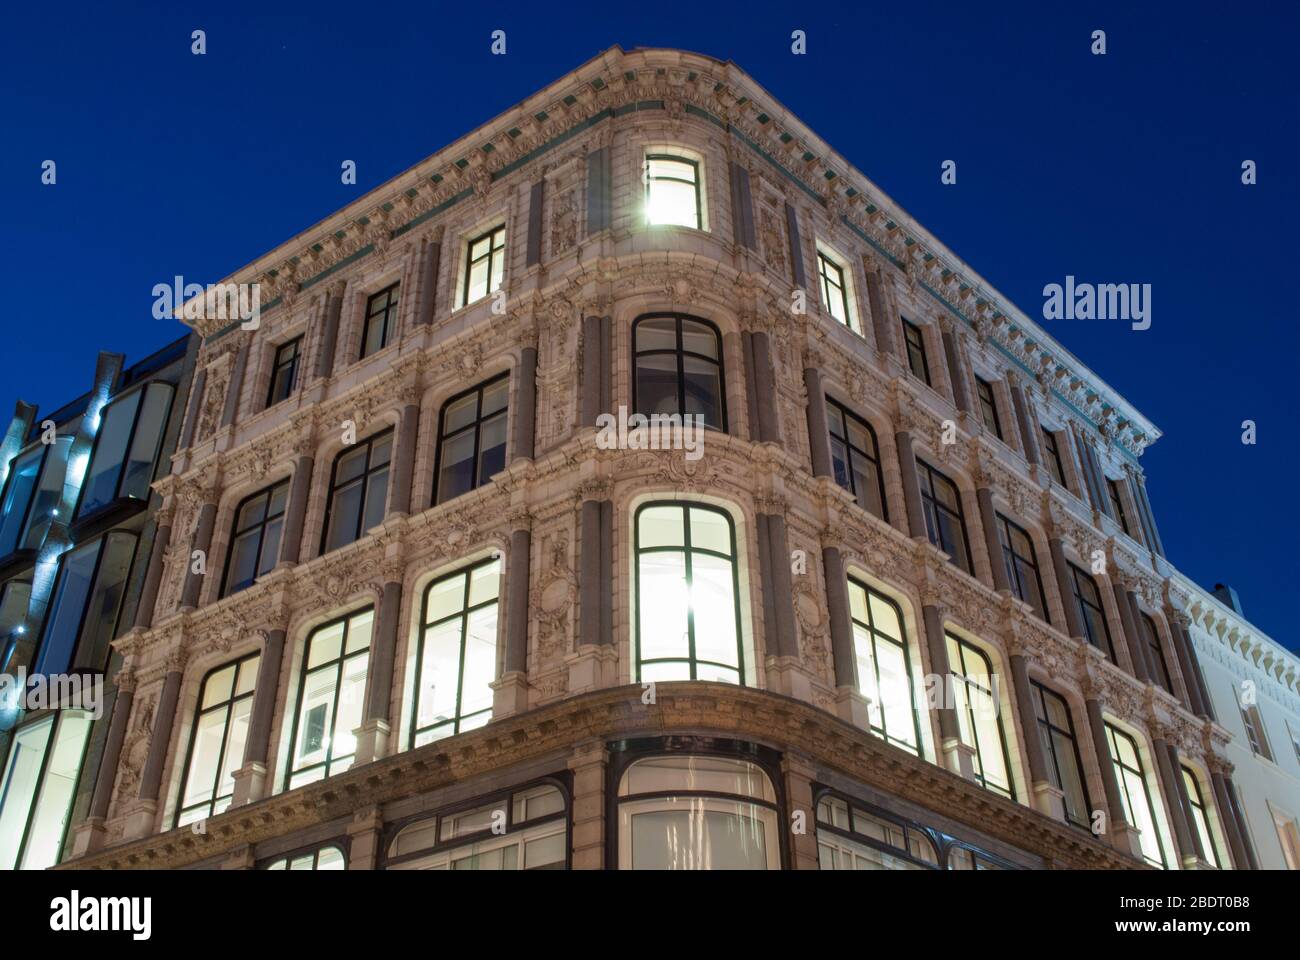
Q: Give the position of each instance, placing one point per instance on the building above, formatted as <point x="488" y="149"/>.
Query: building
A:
<point x="76" y="536"/>
<point x="444" y="623"/>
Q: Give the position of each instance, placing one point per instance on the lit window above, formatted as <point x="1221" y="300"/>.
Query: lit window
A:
<point x="87" y="599"/>
<point x="1116" y="503"/>
<point x="1088" y="598"/>
<point x="686" y="812"/>
<point x="330" y="698"/>
<point x="916" y="359"/>
<point x="979" y="715"/>
<point x="688" y="606"/>
<point x="1156" y="651"/>
<point x="1053" y="458"/>
<point x="326" y="858"/>
<point x="381" y="320"/>
<point x="40" y="781"/>
<point x="284" y="371"/>
<point x="1135" y="794"/>
<point x="678" y="362"/>
<point x="851" y="838"/>
<point x="217" y="741"/>
<point x="126" y="448"/>
<point x="1201" y="817"/>
<point x="945" y="522"/>
<point x="1061" y="750"/>
<point x="884" y="669"/>
<point x="471" y="439"/>
<point x="988" y="407"/>
<point x="856" y="459"/>
<point x="835" y="293"/>
<point x="32" y="494"/>
<point x="1022" y="565"/>
<point x="672" y="191"/>
<point x="358" y="491"/>
<point x="457" y="658"/>
<point x="485" y="265"/>
<point x="255" y="538"/>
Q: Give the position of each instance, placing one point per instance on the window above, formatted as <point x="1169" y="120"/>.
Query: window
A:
<point x="255" y="538"/>
<point x="1201" y="817"/>
<point x="884" y="668"/>
<point x="835" y="293"/>
<point x="944" y="519"/>
<point x="326" y="858"/>
<point x="678" y="361"/>
<point x="1061" y="750"/>
<point x="526" y="830"/>
<point x="1156" y="651"/>
<point x="40" y="781"/>
<point x="916" y="360"/>
<point x="687" y="594"/>
<point x="979" y="714"/>
<point x="472" y="439"/>
<point x="1295" y="737"/>
<point x="1116" y="503"/>
<point x="672" y="191"/>
<point x="217" y="741"/>
<point x="685" y="812"/>
<point x="1088" y="597"/>
<point x="856" y="458"/>
<point x="988" y="407"/>
<point x="485" y="265"/>
<point x="851" y="838"/>
<point x="1135" y="794"/>
<point x="284" y="371"/>
<point x="358" y="491"/>
<point x="381" y="320"/>
<point x="15" y="596"/>
<point x="964" y="858"/>
<point x="32" y="495"/>
<point x="1254" y="723"/>
<point x="126" y="446"/>
<point x="1022" y="565"/>
<point x="86" y="602"/>
<point x="1052" y="450"/>
<point x="1288" y="835"/>
<point x="457" y="657"/>
<point x="330" y="697"/>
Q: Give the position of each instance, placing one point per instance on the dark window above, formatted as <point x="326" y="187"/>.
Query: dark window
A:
<point x="944" y="520"/>
<point x="358" y="491"/>
<point x="1254" y="724"/>
<point x="255" y="538"/>
<point x="1117" y="504"/>
<point x="988" y="407"/>
<point x="678" y="361"/>
<point x="284" y="372"/>
<point x="856" y="458"/>
<point x="126" y="447"/>
<point x="884" y="667"/>
<point x="1151" y="636"/>
<point x="331" y="692"/>
<point x="979" y="715"/>
<point x="1088" y="597"/>
<point x="485" y="265"/>
<point x="1022" y="565"/>
<point x="672" y="191"/>
<point x="1201" y="817"/>
<point x="834" y="292"/>
<point x="85" y="604"/>
<point x="1052" y="450"/>
<point x="1061" y="750"/>
<point x="916" y="352"/>
<point x="471" y="439"/>
<point x="32" y="494"/>
<point x="217" y="740"/>
<point x="1135" y="794"/>
<point x="381" y="320"/>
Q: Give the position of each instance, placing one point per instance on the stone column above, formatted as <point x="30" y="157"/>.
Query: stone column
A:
<point x="330" y="333"/>
<point x="883" y="322"/>
<point x="961" y="392"/>
<point x="588" y="763"/>
<point x="510" y="693"/>
<point x="594" y="401"/>
<point x="1227" y="817"/>
<point x="364" y="833"/>
<point x="399" y="490"/>
<point x="989" y="524"/>
<point x="956" y="756"/>
<point x="768" y="429"/>
<point x="1026" y="421"/>
<point x="90" y="835"/>
<point x="593" y="664"/>
<point x="799" y="774"/>
<point x="197" y="386"/>
<point x="142" y="821"/>
<point x="373" y="734"/>
<point x="819" y="438"/>
<point x="144" y="610"/>
<point x="1182" y="652"/>
<point x="1073" y="618"/>
<point x="295" y="512"/>
<point x="1048" y="799"/>
<point x="1167" y="775"/>
<point x="428" y="281"/>
<point x="911" y="485"/>
<point x="1132" y="635"/>
<point x="1126" y="837"/>
<point x="236" y="386"/>
<point x="202" y="542"/>
<point x="785" y="671"/>
<point x="525" y="413"/>
<point x="1148" y="658"/>
<point x="250" y="779"/>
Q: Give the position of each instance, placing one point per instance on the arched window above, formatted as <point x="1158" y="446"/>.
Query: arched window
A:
<point x="856" y="458"/>
<point x="678" y="363"/>
<point x="691" y="812"/>
<point x="1061" y="750"/>
<point x="255" y="538"/>
<point x="687" y="593"/>
<point x="358" y="491"/>
<point x="326" y="858"/>
<point x="851" y="838"/>
<point x="945" y="521"/>
<point x="884" y="668"/>
<point x="457" y="658"/>
<point x="1201" y="816"/>
<point x="979" y="716"/>
<point x="217" y="740"/>
<point x="1135" y="794"/>
<point x="331" y="693"/>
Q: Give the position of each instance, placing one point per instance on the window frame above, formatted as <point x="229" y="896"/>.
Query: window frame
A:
<point x="826" y="259"/>
<point x="477" y="427"/>
<point x="392" y="300"/>
<point x="1256" y="736"/>
<point x="680" y="353"/>
<point x="1005" y="525"/>
<point x="294" y="363"/>
<point x="1156" y="650"/>
<point x="1039" y="693"/>
<point x="492" y="252"/>
<point x="1076" y="590"/>
<point x="260" y="526"/>
<point x="963" y="647"/>
<point x="143" y="392"/>
<point x="28" y="513"/>
<point x="1056" y="466"/>
<point x="915" y="350"/>
<point x="698" y="184"/>
<point x="988" y="406"/>
<point x="1201" y="822"/>
<point x="1116" y="504"/>
<point x="1113" y="732"/>
<point x="902" y="643"/>
<point x="101" y="542"/>
<point x="366" y="476"/>
<point x="228" y="704"/>
<point x="55" y="719"/>
<point x="850" y="450"/>
<point x="303" y="853"/>
<point x="932" y="502"/>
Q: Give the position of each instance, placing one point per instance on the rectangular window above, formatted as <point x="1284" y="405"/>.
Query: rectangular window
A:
<point x="126" y="447"/>
<point x="1135" y="795"/>
<point x="284" y="371"/>
<point x="834" y="290"/>
<point x="358" y="491"/>
<point x="1254" y="723"/>
<point x="916" y="359"/>
<point x="979" y="716"/>
<point x="85" y="604"/>
<point x="945" y="521"/>
<point x="1116" y="504"/>
<point x="1022" y="565"/>
<point x="331" y="694"/>
<point x="255" y="538"/>
<point x="381" y="320"/>
<point x="471" y="439"/>
<point x="485" y="265"/>
<point x="988" y="407"/>
<point x="672" y="191"/>
<point x="1088" y="598"/>
<point x="1201" y="817"/>
<point x="856" y="459"/>
<point x="1061" y="751"/>
<point x="1052" y="457"/>
<point x="40" y="781"/>
<point x="1156" y="649"/>
<point x="884" y="670"/>
<point x="32" y="494"/>
<point x="217" y="740"/>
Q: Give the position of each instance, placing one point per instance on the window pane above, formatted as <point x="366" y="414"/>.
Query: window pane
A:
<point x="344" y="514"/>
<point x="696" y="834"/>
<point x="439" y="671"/>
<point x="713" y="603"/>
<point x="664" y="605"/>
<point x="376" y="498"/>
<point x="660" y="527"/>
<point x="480" y="661"/>
<point x="696" y="338"/>
<point x="21" y="773"/>
<point x="148" y="437"/>
<point x="456" y="467"/>
<point x="709" y="531"/>
<point x="656" y="333"/>
<point x="18" y="493"/>
<point x="656" y="384"/>
<point x="492" y="447"/>
<point x="54" y="802"/>
<point x="100" y="486"/>
<point x="703" y="389"/>
<point x="69" y="602"/>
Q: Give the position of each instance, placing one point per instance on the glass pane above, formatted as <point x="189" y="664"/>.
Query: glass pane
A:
<point x="235" y="741"/>
<point x="456" y="466"/>
<point x="270" y="552"/>
<point x="703" y="387"/>
<point x="22" y="483"/>
<point x="21" y="773"/>
<point x="359" y="629"/>
<point x="492" y="447"/>
<point x="478" y="281"/>
<point x="896" y="694"/>
<point x="660" y="527"/>
<point x="350" y="465"/>
<point x="243" y="561"/>
<point x="331" y="858"/>
<point x="663" y="604"/>
<point x="439" y="674"/>
<point x="484" y="582"/>
<point x="696" y="773"/>
<point x="656" y="384"/>
<point x="381" y="451"/>
<point x="351" y="700"/>
<point x="480" y="661"/>
<point x="105" y="602"/>
<point x="544" y="852"/>
<point x="49" y="494"/>
<point x="148" y="437"/>
<point x="699" y="338"/>
<point x="697" y="834"/>
<point x="325" y="645"/>
<point x="54" y="803"/>
<point x="314" y="717"/>
<point x="665" y="672"/>
<point x="710" y="531"/>
<point x="345" y="512"/>
<point x="713" y="602"/>
<point x="100" y="485"/>
<point x="656" y="333"/>
<point x="69" y="602"/>
<point x="202" y="774"/>
<point x="248" y="675"/>
<point x="218" y="687"/>
<point x="668" y="167"/>
<point x="884" y="618"/>
<point x="670" y="202"/>
<point x="445" y="597"/>
<point x="376" y="500"/>
<point x="495" y="397"/>
<point x="460" y="413"/>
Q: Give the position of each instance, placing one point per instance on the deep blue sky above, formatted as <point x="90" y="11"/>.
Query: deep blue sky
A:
<point x="1122" y="168"/>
